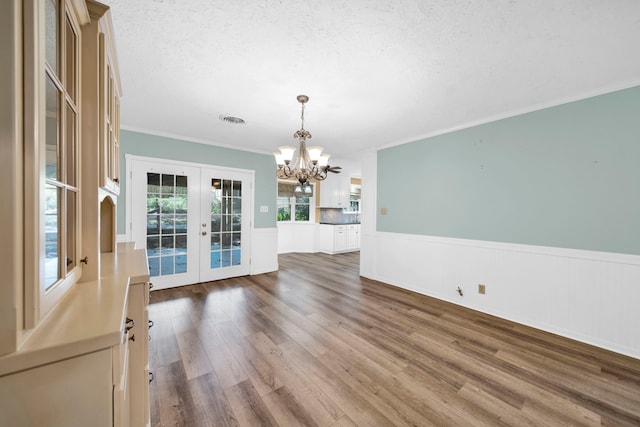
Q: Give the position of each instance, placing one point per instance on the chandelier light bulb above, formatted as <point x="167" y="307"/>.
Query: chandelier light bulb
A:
<point x="324" y="160"/>
<point x="287" y="153"/>
<point x="279" y="159"/>
<point x="314" y="153"/>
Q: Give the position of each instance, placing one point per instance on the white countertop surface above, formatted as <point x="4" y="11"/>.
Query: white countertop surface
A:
<point x="89" y="318"/>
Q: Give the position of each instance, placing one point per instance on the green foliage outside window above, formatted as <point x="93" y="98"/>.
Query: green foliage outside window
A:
<point x="293" y="204"/>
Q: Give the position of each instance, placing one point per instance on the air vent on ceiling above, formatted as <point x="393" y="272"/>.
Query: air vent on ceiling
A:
<point x="231" y="119"/>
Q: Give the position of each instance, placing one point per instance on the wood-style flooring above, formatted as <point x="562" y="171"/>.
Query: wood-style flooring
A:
<point x="315" y="344"/>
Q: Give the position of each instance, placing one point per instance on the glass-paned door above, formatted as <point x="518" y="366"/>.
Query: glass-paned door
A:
<point x="165" y="214"/>
<point x="167" y="207"/>
<point x="224" y="237"/>
<point x="193" y="221"/>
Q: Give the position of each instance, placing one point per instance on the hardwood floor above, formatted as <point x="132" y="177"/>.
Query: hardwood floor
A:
<point x="316" y="345"/>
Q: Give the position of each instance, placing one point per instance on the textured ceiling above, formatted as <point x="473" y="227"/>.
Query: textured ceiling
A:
<point x="377" y="72"/>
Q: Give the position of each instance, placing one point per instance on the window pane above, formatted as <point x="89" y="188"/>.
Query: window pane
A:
<point x="70" y="146"/>
<point x="237" y="205"/>
<point x="216" y="223"/>
<point x="51" y="33"/>
<point x="215" y="260"/>
<point x="153" y="204"/>
<point x="153" y="246"/>
<point x="225" y="258"/>
<point x="153" y="225"/>
<point x="237" y="223"/>
<point x="284" y="213"/>
<point x="226" y="187"/>
<point x="52" y="235"/>
<point x="168" y="184"/>
<point x="226" y="240"/>
<point x="72" y="225"/>
<point x="154" y="266"/>
<point x="181" y="223"/>
<point x="237" y="188"/>
<point x="153" y="183"/>
<point x="167" y="203"/>
<point x="70" y="69"/>
<point x="51" y="129"/>
<point x="226" y="223"/>
<point x="167" y="222"/>
<point x="181" y="203"/>
<point x="166" y="265"/>
<point x="181" y="243"/>
<point x="302" y="212"/>
<point x="215" y="241"/>
<point x="181" y="264"/>
<point x="167" y="245"/>
<point x="181" y="184"/>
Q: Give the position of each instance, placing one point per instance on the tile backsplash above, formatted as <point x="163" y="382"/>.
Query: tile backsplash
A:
<point x="338" y="216"/>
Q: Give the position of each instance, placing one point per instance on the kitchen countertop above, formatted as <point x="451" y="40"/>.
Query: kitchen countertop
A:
<point x="340" y="223"/>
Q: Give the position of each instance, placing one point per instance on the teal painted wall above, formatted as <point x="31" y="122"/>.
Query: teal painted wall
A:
<point x="566" y="176"/>
<point x="141" y="144"/>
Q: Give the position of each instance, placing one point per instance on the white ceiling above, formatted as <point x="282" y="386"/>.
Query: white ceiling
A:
<point x="378" y="72"/>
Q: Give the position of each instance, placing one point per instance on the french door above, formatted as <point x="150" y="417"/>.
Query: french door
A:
<point x="193" y="220"/>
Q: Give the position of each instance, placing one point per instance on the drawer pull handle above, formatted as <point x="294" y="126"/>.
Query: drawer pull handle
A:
<point x="151" y="323"/>
<point x="151" y="377"/>
<point x="133" y="338"/>
<point x="150" y="285"/>
<point x="129" y="324"/>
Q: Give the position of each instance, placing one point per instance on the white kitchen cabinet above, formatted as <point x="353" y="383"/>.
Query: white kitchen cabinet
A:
<point x="338" y="238"/>
<point x="334" y="191"/>
<point x="353" y="236"/>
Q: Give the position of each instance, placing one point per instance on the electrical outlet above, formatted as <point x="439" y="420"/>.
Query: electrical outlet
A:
<point x="481" y="288"/>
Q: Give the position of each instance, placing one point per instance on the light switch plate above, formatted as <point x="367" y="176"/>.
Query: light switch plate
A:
<point x="264" y="208"/>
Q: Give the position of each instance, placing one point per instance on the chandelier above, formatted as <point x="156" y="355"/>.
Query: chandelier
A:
<point x="311" y="164"/>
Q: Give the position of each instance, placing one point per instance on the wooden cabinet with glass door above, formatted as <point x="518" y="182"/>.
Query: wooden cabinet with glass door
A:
<point x="101" y="92"/>
<point x="110" y="141"/>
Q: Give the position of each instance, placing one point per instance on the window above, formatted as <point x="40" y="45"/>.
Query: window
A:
<point x="52" y="98"/>
<point x="295" y="206"/>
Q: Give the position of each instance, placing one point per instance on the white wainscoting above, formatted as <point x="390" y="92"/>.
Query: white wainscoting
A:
<point x="296" y="237"/>
<point x="264" y="250"/>
<point x="593" y="297"/>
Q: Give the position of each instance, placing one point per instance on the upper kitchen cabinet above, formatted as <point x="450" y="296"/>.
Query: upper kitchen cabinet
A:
<point x="334" y="191"/>
<point x="101" y="87"/>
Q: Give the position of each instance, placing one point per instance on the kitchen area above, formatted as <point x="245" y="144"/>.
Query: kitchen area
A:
<point x="334" y="227"/>
<point x="339" y="223"/>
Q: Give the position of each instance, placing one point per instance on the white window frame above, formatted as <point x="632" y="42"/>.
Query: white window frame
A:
<point x="292" y="203"/>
